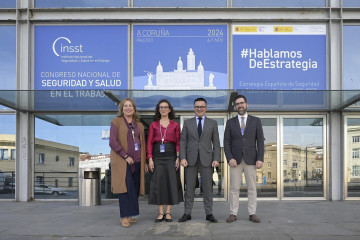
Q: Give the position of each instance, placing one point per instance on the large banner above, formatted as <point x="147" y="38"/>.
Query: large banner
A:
<point x="85" y="59"/>
<point x="81" y="57"/>
<point x="170" y="57"/>
<point x="279" y="57"/>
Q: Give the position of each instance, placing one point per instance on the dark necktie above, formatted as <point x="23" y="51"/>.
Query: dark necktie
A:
<point x="199" y="127"/>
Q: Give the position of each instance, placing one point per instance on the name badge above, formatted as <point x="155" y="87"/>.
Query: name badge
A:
<point x="162" y="148"/>
<point x="136" y="147"/>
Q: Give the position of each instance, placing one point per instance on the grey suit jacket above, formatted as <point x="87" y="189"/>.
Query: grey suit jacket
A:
<point x="207" y="145"/>
<point x="249" y="146"/>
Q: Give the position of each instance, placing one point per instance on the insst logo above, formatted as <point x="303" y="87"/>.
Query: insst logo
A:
<point x="65" y="46"/>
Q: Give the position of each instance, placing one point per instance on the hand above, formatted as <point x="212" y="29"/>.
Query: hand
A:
<point x="177" y="165"/>
<point x="130" y="161"/>
<point x="146" y="168"/>
<point x="259" y="164"/>
<point x="184" y="163"/>
<point x="215" y="164"/>
<point x="232" y="162"/>
<point x="151" y="165"/>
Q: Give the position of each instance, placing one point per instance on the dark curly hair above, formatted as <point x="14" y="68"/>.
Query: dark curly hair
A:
<point x="157" y="110"/>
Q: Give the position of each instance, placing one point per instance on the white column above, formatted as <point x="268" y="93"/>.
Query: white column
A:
<point x="336" y="122"/>
<point x="24" y="120"/>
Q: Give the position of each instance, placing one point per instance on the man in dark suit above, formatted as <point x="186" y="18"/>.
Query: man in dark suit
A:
<point x="244" y="151"/>
<point x="199" y="149"/>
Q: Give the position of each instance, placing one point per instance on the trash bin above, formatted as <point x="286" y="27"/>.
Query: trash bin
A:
<point x="89" y="186"/>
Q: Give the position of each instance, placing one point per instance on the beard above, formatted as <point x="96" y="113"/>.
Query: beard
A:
<point x="242" y="111"/>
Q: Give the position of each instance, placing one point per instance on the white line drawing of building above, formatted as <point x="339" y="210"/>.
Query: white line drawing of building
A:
<point x="180" y="78"/>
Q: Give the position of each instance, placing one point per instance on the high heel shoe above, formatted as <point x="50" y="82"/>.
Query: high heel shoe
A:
<point x="157" y="220"/>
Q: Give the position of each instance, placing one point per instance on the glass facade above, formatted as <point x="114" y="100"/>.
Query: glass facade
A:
<point x="8" y="59"/>
<point x="352" y="164"/>
<point x="60" y="150"/>
<point x="351" y="3"/>
<point x="79" y="3"/>
<point x="8" y="4"/>
<point x="351" y="57"/>
<point x="180" y="3"/>
<point x="7" y="156"/>
<point x="303" y="161"/>
<point x="284" y="59"/>
<point x="279" y="3"/>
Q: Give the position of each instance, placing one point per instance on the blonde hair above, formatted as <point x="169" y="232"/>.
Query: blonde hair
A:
<point x="121" y="108"/>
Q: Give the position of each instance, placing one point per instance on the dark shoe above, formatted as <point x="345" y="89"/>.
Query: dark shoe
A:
<point x="254" y="218"/>
<point x="231" y="218"/>
<point x="168" y="219"/>
<point x="211" y="218"/>
<point x="157" y="220"/>
<point x="185" y="217"/>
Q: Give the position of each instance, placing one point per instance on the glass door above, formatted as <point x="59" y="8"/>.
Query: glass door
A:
<point x="303" y="156"/>
<point x="352" y="157"/>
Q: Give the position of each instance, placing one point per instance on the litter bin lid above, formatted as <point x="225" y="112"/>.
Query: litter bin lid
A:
<point x="82" y="170"/>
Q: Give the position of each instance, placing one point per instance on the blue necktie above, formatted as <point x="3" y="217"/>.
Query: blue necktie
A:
<point x="199" y="127"/>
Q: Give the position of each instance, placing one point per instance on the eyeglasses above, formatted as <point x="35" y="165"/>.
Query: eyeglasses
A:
<point x="239" y="103"/>
<point x="200" y="107"/>
<point x="164" y="107"/>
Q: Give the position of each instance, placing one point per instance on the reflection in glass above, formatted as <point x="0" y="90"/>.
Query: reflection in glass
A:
<point x="353" y="157"/>
<point x="267" y="175"/>
<point x="7" y="156"/>
<point x="351" y="57"/>
<point x="180" y="3"/>
<point x="279" y="3"/>
<point x="80" y="3"/>
<point x="61" y="149"/>
<point x="303" y="157"/>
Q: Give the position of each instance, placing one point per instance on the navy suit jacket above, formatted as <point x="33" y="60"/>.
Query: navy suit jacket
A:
<point x="249" y="146"/>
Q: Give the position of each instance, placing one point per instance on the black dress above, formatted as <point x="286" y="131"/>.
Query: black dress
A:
<point x="165" y="185"/>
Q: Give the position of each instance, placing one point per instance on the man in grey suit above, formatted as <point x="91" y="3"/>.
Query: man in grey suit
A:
<point x="199" y="149"/>
<point x="244" y="151"/>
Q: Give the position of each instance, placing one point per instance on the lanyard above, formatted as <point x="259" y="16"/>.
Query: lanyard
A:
<point x="132" y="130"/>
<point x="163" y="137"/>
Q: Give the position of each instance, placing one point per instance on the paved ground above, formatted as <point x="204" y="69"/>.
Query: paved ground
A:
<point x="320" y="220"/>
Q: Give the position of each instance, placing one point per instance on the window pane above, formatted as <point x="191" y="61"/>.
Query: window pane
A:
<point x="8" y="58"/>
<point x="61" y="147"/>
<point x="351" y="3"/>
<point x="180" y="3"/>
<point x="351" y="57"/>
<point x="279" y="3"/>
<point x="8" y="4"/>
<point x="80" y="3"/>
<point x="7" y="156"/>
<point x="352" y="149"/>
<point x="303" y="150"/>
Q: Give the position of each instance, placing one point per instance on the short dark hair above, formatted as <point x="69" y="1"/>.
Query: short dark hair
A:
<point x="240" y="96"/>
<point x="200" y="99"/>
<point x="157" y="110"/>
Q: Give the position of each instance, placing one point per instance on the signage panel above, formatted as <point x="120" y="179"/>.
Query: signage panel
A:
<point x="174" y="57"/>
<point x="279" y="57"/>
